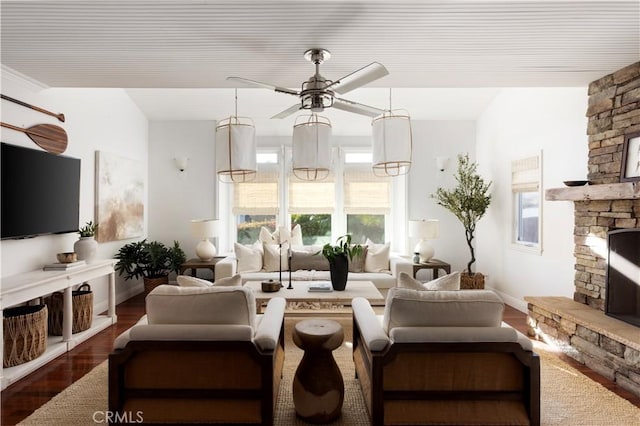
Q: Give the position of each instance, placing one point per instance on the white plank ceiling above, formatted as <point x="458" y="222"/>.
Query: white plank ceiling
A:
<point x="424" y="44"/>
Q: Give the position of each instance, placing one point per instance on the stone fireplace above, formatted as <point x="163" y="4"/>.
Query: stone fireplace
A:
<point x="579" y="326"/>
<point x="623" y="276"/>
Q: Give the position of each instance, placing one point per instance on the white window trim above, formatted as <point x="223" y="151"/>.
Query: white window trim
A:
<point x="530" y="248"/>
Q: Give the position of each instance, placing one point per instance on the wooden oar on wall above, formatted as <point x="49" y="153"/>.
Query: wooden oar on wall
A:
<point x="49" y="137"/>
<point x="24" y="104"/>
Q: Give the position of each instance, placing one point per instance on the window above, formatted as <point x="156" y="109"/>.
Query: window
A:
<point x="311" y="205"/>
<point x="525" y="186"/>
<point x="366" y="203"/>
<point x="256" y="204"/>
<point x="350" y="200"/>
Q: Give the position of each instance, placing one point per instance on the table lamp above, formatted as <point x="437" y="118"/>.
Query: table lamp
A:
<point x="205" y="229"/>
<point x="426" y="229"/>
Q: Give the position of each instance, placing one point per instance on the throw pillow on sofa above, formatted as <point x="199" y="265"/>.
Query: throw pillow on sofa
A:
<point x="357" y="263"/>
<point x="377" y="259"/>
<point x="281" y="235"/>
<point x="274" y="255"/>
<point x="249" y="257"/>
<point x="308" y="258"/>
<point x="448" y="282"/>
<point x="187" y="281"/>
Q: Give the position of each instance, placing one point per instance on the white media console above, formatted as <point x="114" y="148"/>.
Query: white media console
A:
<point x="22" y="288"/>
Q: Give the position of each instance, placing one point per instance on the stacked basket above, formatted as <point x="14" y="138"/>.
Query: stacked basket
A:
<point x="25" y="334"/>
<point x="82" y="308"/>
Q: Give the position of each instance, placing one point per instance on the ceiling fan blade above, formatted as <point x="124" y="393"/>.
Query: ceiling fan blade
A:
<point x="264" y="85"/>
<point x="356" y="107"/>
<point x="364" y="75"/>
<point x="287" y="112"/>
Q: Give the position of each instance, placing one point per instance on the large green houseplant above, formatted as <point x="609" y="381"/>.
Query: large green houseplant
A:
<point x="468" y="201"/>
<point x="151" y="260"/>
<point x="338" y="256"/>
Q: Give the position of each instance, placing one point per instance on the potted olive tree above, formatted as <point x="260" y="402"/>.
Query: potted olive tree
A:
<point x="153" y="261"/>
<point x="468" y="201"/>
<point x="339" y="256"/>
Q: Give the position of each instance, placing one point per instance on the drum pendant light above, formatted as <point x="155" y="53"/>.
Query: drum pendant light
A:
<point x="311" y="147"/>
<point x="392" y="142"/>
<point x="236" y="148"/>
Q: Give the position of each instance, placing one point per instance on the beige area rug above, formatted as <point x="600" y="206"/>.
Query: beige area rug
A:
<point x="568" y="397"/>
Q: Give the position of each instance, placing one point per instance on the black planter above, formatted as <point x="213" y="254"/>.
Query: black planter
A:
<point x="339" y="269"/>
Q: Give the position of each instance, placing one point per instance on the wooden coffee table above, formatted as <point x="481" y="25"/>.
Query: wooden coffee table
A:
<point x="301" y="293"/>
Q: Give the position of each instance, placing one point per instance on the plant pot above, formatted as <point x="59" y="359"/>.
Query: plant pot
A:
<point x="471" y="281"/>
<point x="339" y="270"/>
<point x="86" y="248"/>
<point x="152" y="282"/>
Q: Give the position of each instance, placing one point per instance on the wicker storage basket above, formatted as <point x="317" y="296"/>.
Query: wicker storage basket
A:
<point x="25" y="334"/>
<point x="471" y="281"/>
<point x="82" y="308"/>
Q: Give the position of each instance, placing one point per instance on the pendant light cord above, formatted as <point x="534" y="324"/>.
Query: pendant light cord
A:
<point x="236" y="100"/>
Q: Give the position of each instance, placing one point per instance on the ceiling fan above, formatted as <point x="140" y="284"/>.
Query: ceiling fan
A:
<point x="319" y="93"/>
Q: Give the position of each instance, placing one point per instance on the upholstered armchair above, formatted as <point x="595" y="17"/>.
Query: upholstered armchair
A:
<point x="444" y="357"/>
<point x="199" y="355"/>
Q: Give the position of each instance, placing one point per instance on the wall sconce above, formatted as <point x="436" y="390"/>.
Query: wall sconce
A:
<point x="182" y="163"/>
<point x="441" y="163"/>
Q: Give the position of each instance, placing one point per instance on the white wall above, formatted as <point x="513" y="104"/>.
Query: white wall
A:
<point x="520" y="123"/>
<point x="177" y="197"/>
<point x="96" y="119"/>
<point x="433" y="139"/>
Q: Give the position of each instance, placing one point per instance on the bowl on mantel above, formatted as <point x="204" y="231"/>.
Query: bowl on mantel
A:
<point x="575" y="182"/>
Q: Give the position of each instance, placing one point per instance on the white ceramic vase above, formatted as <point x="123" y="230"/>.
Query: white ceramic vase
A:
<point x="86" y="248"/>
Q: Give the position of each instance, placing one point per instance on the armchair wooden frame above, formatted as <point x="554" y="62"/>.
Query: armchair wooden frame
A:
<point x="269" y="364"/>
<point x="370" y="370"/>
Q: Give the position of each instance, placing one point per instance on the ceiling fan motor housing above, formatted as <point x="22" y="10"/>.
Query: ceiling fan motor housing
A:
<point x="314" y="96"/>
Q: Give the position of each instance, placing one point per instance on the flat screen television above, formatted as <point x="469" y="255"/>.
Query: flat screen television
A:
<point x="40" y="192"/>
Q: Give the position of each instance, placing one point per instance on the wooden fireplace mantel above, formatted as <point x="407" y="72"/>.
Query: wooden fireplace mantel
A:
<point x="609" y="191"/>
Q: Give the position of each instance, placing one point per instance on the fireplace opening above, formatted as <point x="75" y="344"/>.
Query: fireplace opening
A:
<point x="623" y="276"/>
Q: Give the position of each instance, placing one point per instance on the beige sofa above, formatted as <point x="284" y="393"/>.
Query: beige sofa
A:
<point x="200" y="355"/>
<point x="446" y="358"/>
<point x="384" y="278"/>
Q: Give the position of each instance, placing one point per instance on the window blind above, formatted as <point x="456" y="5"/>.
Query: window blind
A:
<point x="366" y="193"/>
<point x="259" y="196"/>
<point x="525" y="174"/>
<point x="309" y="197"/>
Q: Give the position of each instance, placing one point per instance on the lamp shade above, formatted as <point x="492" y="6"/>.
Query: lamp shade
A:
<point x="392" y="143"/>
<point x="204" y="228"/>
<point x="236" y="149"/>
<point x="427" y="229"/>
<point x="311" y="147"/>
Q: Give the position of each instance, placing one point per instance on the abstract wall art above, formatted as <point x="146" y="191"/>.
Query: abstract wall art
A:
<point x="119" y="197"/>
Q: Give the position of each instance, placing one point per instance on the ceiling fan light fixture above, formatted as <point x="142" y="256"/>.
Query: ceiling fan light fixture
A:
<point x="392" y="143"/>
<point x="311" y="147"/>
<point x="318" y="92"/>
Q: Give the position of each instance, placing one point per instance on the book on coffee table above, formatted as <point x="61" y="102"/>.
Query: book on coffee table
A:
<point x="323" y="286"/>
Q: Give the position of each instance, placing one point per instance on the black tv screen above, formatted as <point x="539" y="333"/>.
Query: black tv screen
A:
<point x="40" y="192"/>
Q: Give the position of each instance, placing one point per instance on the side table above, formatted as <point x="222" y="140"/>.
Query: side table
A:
<point x="434" y="264"/>
<point x="195" y="264"/>
<point x="318" y="387"/>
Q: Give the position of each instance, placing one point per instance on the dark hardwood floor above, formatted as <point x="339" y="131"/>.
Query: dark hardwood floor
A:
<point x="25" y="396"/>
